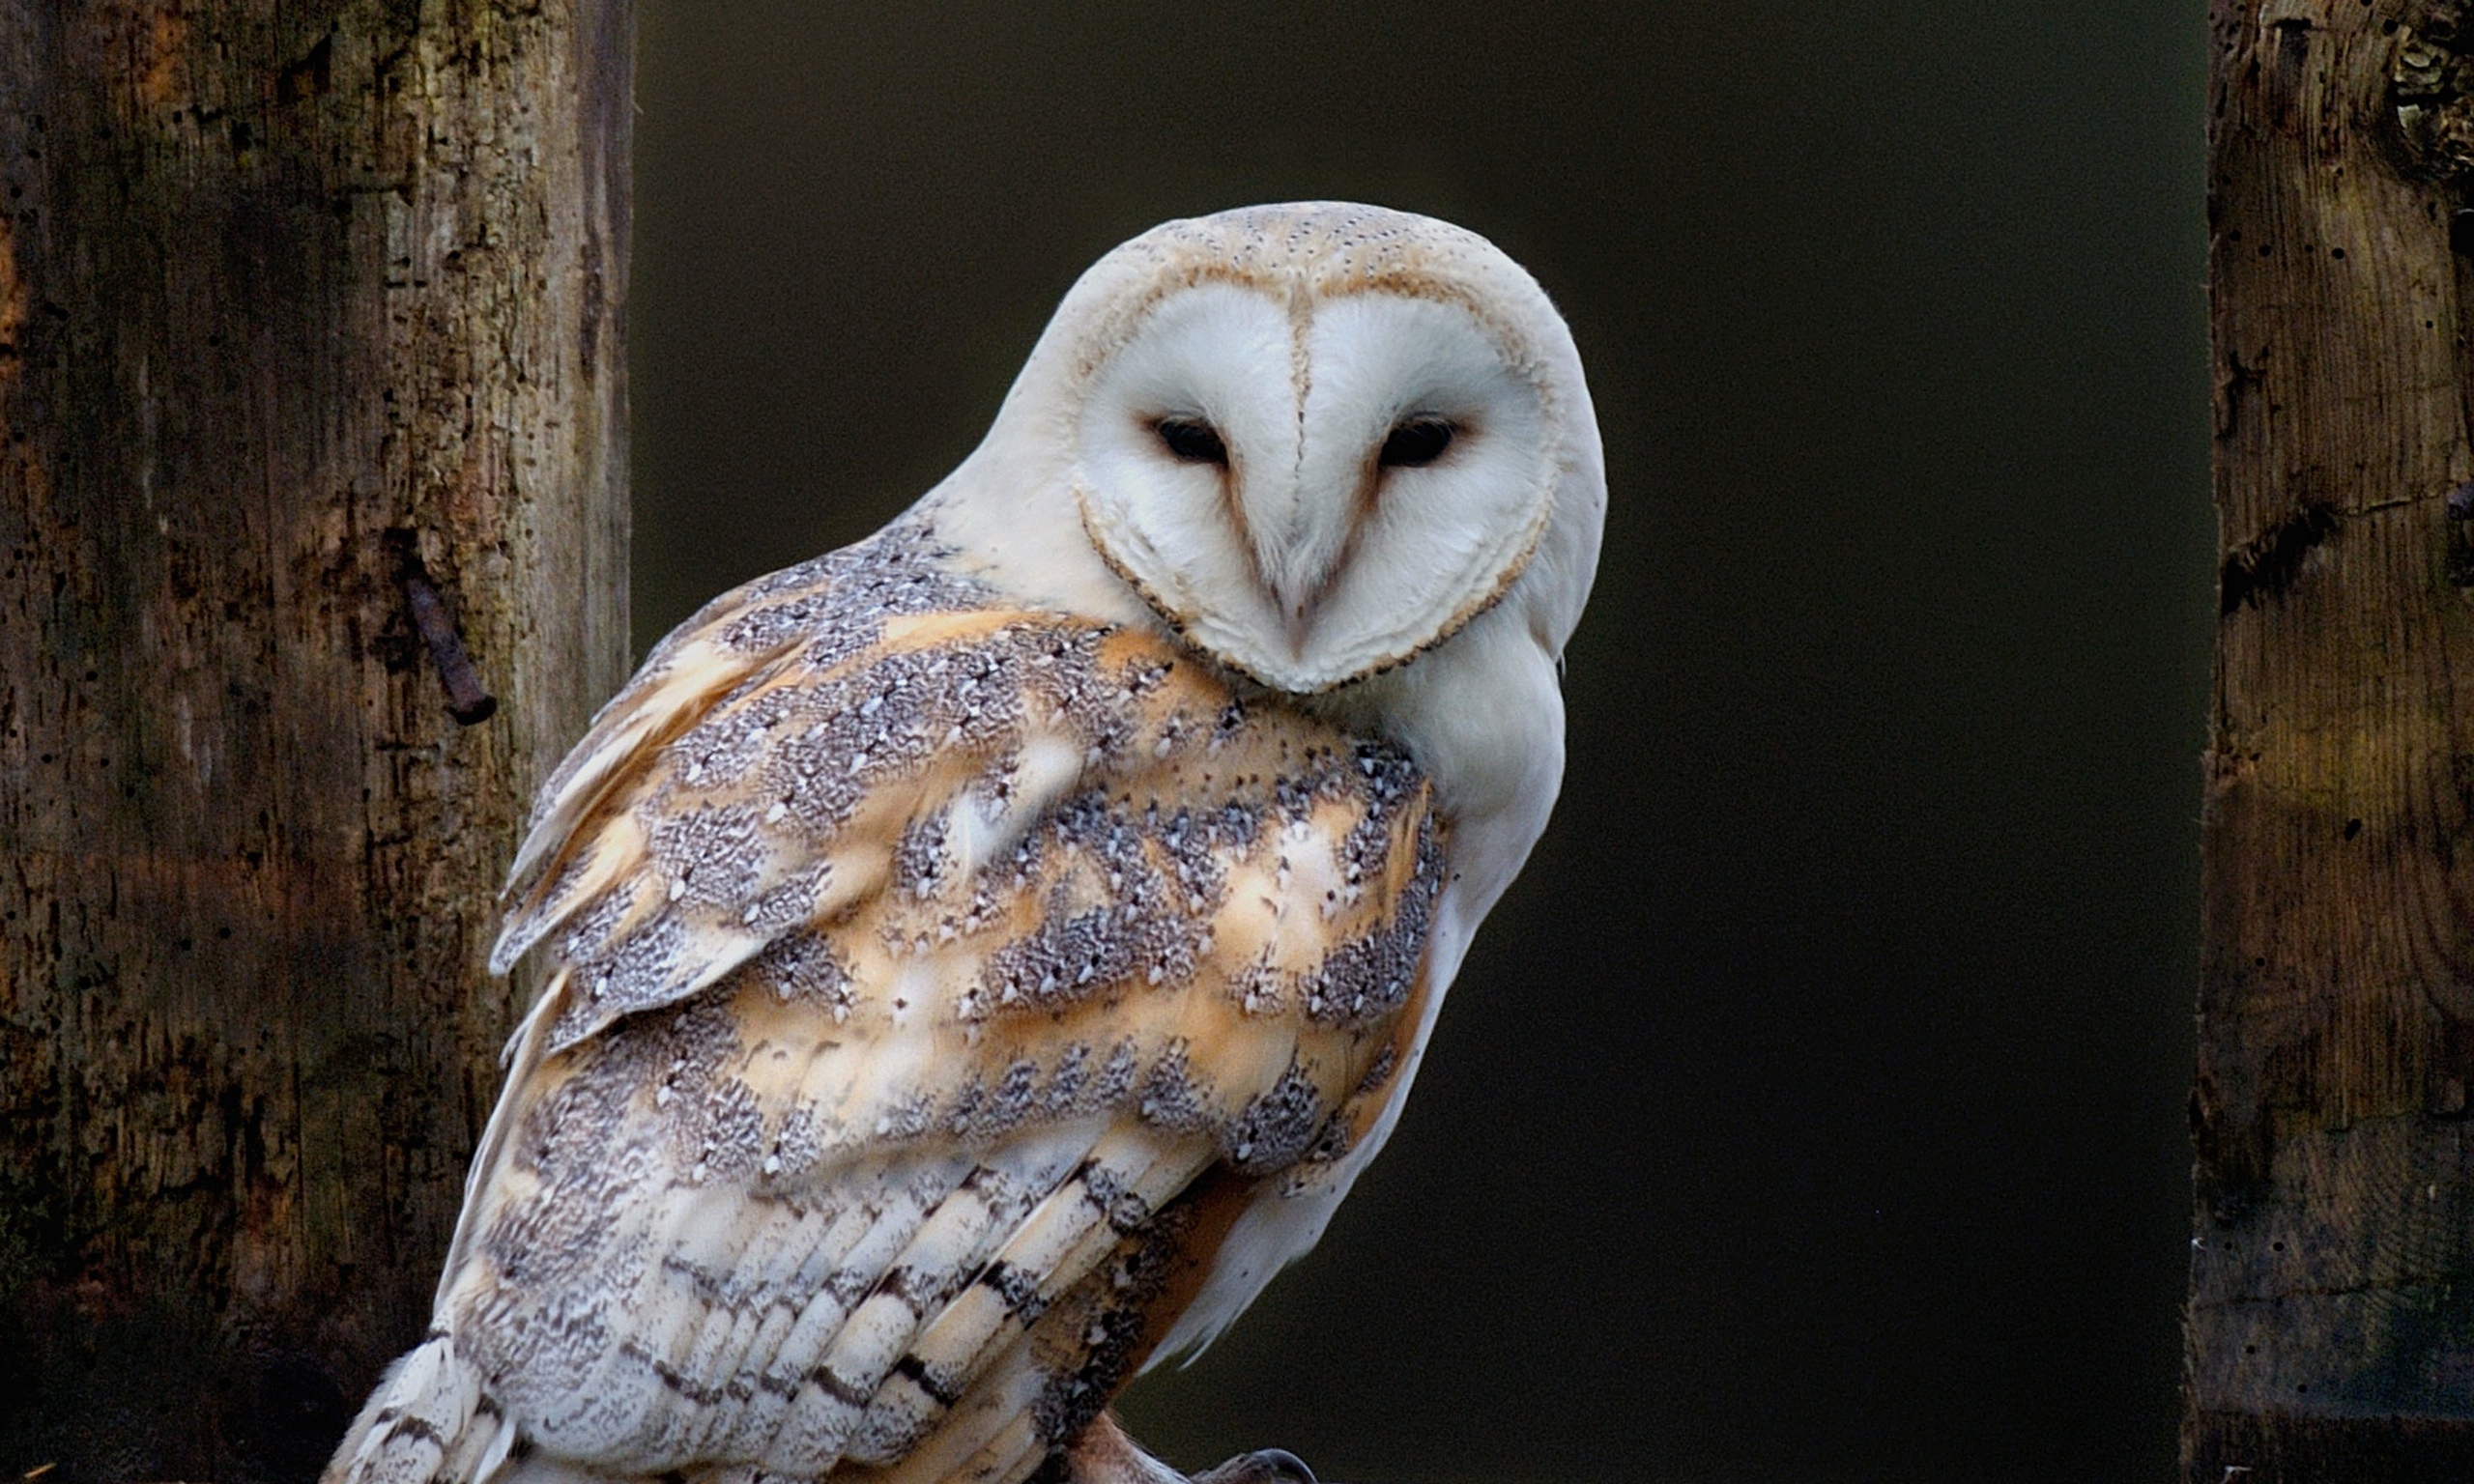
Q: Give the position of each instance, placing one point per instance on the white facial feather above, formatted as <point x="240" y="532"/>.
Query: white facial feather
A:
<point x="1302" y="338"/>
<point x="1306" y="559"/>
<point x="1167" y="522"/>
<point x="1427" y="546"/>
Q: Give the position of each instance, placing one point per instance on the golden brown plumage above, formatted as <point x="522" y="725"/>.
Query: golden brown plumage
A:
<point x="925" y="982"/>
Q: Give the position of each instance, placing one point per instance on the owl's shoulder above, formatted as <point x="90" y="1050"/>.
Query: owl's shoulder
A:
<point x="870" y="721"/>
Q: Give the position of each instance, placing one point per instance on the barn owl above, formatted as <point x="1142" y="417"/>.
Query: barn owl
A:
<point x="974" y="961"/>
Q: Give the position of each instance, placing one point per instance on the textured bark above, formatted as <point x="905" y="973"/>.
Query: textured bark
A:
<point x="303" y="308"/>
<point x="2331" y="1327"/>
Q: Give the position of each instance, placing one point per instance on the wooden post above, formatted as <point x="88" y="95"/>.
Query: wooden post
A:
<point x="310" y="368"/>
<point x="2331" y="1325"/>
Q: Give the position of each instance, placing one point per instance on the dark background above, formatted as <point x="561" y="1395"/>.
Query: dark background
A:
<point x="1812" y="1108"/>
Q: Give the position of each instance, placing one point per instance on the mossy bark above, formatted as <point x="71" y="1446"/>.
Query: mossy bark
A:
<point x="305" y="309"/>
<point x="2331" y="1323"/>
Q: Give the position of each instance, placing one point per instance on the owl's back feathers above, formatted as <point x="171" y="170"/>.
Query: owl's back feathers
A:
<point x="929" y="983"/>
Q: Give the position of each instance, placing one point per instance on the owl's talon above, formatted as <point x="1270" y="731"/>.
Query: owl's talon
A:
<point x="1263" y="1466"/>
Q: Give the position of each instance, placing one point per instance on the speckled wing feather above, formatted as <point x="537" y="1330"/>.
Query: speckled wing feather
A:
<point x="929" y="983"/>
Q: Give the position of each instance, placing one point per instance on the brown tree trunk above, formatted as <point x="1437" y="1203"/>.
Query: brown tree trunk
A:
<point x="310" y="356"/>
<point x="2331" y="1325"/>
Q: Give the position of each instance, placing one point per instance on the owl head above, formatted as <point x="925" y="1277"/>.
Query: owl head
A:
<point x="1316" y="441"/>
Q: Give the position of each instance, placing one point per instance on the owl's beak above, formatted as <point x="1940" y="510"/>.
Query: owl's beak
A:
<point x="1300" y="544"/>
<point x="1297" y="621"/>
<point x="1300" y="580"/>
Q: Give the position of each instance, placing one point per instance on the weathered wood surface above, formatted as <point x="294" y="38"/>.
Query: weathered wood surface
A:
<point x="2331" y="1327"/>
<point x="296" y="301"/>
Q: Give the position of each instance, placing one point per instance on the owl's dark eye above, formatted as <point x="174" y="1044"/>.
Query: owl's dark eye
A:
<point x="1192" y="440"/>
<point x="1418" y="442"/>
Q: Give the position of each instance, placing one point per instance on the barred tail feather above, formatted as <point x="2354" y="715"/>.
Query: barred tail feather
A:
<point x="428" y="1424"/>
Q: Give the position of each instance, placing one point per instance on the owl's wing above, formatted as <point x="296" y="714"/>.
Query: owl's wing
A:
<point x="919" y="1008"/>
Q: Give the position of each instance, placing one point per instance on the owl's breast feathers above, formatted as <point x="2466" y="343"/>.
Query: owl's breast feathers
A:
<point x="928" y="984"/>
